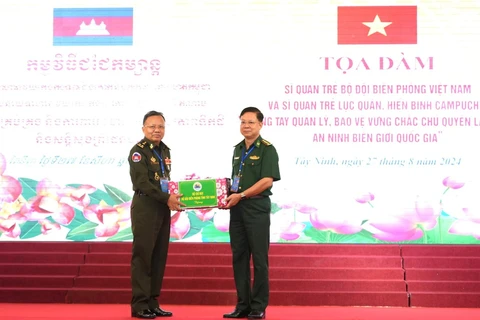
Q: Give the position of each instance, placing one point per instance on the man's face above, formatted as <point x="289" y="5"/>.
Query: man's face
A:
<point x="249" y="125"/>
<point x="154" y="129"/>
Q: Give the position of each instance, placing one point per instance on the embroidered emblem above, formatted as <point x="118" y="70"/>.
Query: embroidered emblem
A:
<point x="136" y="157"/>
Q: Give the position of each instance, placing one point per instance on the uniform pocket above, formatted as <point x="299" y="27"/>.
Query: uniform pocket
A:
<point x="154" y="172"/>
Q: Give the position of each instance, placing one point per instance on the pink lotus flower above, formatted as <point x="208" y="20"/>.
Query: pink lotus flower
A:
<point x="204" y="214"/>
<point x="341" y="223"/>
<point x="453" y="183"/>
<point x="404" y="224"/>
<point x="282" y="226"/>
<point x="45" y="187"/>
<point x="221" y="220"/>
<point x="57" y="202"/>
<point x="108" y="218"/>
<point x="3" y="164"/>
<point x="462" y="203"/>
<point x="466" y="227"/>
<point x="10" y="210"/>
<point x="298" y="207"/>
<point x="293" y="231"/>
<point x="466" y="209"/>
<point x="10" y="188"/>
<point x="339" y="212"/>
<point x="180" y="225"/>
<point x="365" y="198"/>
<point x="464" y="206"/>
<point x="48" y="227"/>
<point x="78" y="197"/>
<point x="42" y="207"/>
<point x="9" y="227"/>
<point x="48" y="203"/>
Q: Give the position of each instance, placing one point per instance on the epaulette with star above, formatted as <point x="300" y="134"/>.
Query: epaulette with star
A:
<point x="142" y="144"/>
<point x="265" y="142"/>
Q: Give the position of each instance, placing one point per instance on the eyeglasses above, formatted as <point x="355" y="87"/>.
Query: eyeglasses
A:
<point x="153" y="127"/>
<point x="250" y="123"/>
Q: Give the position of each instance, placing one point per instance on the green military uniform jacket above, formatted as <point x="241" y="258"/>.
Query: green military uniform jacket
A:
<point x="260" y="163"/>
<point x="146" y="169"/>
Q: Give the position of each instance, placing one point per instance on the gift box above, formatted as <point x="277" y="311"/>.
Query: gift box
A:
<point x="201" y="193"/>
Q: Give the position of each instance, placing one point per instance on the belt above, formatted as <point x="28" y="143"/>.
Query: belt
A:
<point x="140" y="193"/>
<point x="257" y="197"/>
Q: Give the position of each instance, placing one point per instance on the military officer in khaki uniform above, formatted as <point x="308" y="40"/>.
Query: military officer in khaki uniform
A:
<point x="150" y="167"/>
<point x="255" y="168"/>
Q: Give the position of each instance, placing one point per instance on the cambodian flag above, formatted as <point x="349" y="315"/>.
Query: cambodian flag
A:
<point x="92" y="26"/>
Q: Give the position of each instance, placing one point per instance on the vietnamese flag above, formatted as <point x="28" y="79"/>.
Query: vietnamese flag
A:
<point x="377" y="25"/>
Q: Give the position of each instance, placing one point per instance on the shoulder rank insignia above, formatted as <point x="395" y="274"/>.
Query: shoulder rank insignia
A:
<point x="265" y="142"/>
<point x="141" y="144"/>
<point x="254" y="157"/>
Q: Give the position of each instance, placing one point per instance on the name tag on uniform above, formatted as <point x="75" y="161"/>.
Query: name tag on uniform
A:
<point x="235" y="184"/>
<point x="164" y="185"/>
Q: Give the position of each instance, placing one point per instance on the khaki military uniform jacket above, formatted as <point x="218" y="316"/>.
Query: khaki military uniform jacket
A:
<point x="146" y="169"/>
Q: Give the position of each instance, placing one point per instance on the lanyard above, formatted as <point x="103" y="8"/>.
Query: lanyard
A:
<point x="244" y="157"/>
<point x="161" y="162"/>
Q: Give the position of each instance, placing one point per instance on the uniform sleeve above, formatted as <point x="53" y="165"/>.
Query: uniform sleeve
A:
<point x="233" y="163"/>
<point x="139" y="175"/>
<point x="270" y="166"/>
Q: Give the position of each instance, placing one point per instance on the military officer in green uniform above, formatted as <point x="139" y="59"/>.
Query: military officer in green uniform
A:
<point x="150" y="166"/>
<point x="255" y="168"/>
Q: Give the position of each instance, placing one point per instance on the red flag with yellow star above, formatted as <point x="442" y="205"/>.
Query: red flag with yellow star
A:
<point x="377" y="25"/>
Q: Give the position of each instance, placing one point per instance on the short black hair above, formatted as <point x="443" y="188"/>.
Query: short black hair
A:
<point x="254" y="110"/>
<point x="151" y="114"/>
